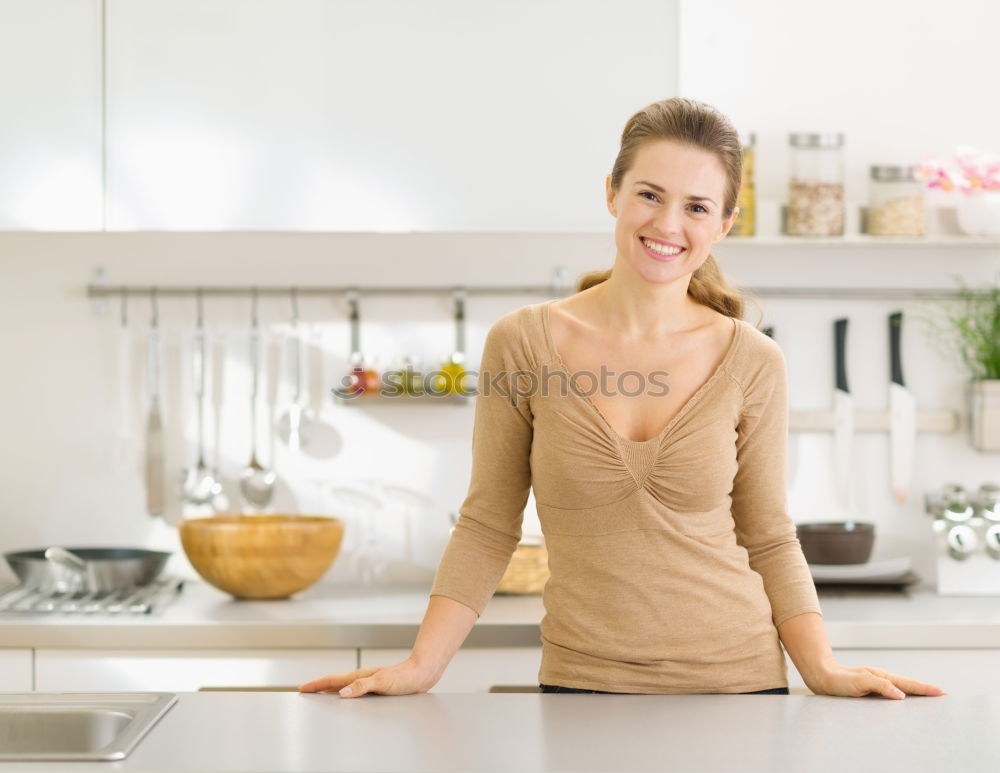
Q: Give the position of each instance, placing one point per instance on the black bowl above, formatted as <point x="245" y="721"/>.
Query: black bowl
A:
<point x="836" y="543"/>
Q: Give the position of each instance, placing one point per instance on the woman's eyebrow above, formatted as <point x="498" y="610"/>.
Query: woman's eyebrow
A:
<point x="658" y="189"/>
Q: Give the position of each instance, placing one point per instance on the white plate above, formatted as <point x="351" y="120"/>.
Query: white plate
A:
<point x="892" y="567"/>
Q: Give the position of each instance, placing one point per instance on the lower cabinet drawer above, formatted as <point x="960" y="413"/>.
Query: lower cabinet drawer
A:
<point x="957" y="672"/>
<point x="473" y="669"/>
<point x="64" y="670"/>
<point x="15" y="670"/>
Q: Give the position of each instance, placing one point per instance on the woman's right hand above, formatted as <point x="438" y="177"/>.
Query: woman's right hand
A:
<point x="402" y="679"/>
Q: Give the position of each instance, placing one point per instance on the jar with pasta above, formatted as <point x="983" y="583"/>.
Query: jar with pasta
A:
<point x="896" y="202"/>
<point x="745" y="224"/>
<point x="816" y="188"/>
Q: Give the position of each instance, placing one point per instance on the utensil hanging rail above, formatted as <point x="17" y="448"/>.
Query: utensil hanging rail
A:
<point x="819" y="293"/>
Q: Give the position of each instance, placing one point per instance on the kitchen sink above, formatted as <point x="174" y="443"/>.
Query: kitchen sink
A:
<point x="77" y="726"/>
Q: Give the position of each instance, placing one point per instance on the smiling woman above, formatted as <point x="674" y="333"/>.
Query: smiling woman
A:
<point x="706" y="140"/>
<point x="674" y="566"/>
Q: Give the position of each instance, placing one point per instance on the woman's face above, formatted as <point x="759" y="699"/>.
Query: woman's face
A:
<point x="669" y="210"/>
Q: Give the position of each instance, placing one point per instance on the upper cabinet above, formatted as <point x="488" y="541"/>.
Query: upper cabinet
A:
<point x="50" y="120"/>
<point x="382" y="115"/>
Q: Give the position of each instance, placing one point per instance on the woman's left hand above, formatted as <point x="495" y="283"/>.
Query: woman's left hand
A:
<point x="856" y="681"/>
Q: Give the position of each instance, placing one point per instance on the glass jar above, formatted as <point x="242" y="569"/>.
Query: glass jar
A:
<point x="816" y="188"/>
<point x="745" y="224"/>
<point x="896" y="202"/>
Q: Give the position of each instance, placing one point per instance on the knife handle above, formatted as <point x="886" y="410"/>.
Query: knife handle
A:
<point x="895" y="353"/>
<point x="840" y="353"/>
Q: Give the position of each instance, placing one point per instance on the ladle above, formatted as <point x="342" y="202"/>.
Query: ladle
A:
<point x="199" y="485"/>
<point x="256" y="481"/>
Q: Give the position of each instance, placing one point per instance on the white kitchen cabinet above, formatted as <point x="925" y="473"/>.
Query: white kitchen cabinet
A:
<point x="473" y="669"/>
<point x="385" y="115"/>
<point x="15" y="670"/>
<point x="183" y="670"/>
<point x="50" y="134"/>
<point x="957" y="672"/>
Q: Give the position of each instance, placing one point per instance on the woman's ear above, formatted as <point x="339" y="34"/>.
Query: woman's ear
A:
<point x="609" y="193"/>
<point x="728" y="223"/>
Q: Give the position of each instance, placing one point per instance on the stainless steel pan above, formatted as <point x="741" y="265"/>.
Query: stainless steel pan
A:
<point x="105" y="569"/>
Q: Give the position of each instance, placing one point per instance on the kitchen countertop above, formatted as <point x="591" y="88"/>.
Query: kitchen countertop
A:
<point x="248" y="732"/>
<point x="338" y="616"/>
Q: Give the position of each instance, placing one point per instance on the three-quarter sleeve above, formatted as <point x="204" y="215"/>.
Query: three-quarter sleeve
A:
<point x="489" y="526"/>
<point x="759" y="498"/>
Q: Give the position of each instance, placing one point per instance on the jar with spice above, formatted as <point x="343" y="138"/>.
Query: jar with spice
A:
<point x="745" y="224"/>
<point x="816" y="189"/>
<point x="896" y="202"/>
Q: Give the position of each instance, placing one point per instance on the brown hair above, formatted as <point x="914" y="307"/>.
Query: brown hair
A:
<point x="702" y="126"/>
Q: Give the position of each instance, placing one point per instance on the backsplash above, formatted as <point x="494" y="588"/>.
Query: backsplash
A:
<point x="394" y="472"/>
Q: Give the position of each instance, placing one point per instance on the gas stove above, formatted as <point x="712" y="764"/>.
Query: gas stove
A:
<point x="141" y="600"/>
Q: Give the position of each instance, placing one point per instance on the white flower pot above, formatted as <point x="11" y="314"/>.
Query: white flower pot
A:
<point x="984" y="415"/>
<point x="979" y="213"/>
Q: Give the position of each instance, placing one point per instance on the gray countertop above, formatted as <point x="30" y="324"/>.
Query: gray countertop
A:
<point x="378" y="616"/>
<point x="247" y="732"/>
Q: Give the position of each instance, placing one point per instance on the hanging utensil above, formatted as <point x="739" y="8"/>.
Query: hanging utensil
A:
<point x="273" y="369"/>
<point x="256" y="481"/>
<point x="199" y="486"/>
<point x="451" y="379"/>
<point x="296" y="424"/>
<point x="155" y="457"/>
<point x="220" y="502"/>
<point x="902" y="415"/>
<point x="361" y="380"/>
<point x="123" y="456"/>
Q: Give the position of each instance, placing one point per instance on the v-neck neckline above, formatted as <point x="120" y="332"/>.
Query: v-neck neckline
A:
<point x="689" y="403"/>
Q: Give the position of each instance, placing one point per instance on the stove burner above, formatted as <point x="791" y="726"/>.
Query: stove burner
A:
<point x="141" y="600"/>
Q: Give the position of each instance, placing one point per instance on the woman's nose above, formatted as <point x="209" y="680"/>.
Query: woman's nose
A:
<point x="668" y="220"/>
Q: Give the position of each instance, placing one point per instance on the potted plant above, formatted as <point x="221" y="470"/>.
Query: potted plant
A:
<point x="975" y="175"/>
<point x="972" y="331"/>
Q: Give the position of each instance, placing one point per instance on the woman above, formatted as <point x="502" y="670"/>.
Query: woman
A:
<point x="651" y="422"/>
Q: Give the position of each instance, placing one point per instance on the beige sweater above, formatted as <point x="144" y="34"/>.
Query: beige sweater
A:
<point x="672" y="559"/>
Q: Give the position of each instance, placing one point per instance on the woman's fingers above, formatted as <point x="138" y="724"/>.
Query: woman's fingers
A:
<point x="904" y="685"/>
<point x="335" y="682"/>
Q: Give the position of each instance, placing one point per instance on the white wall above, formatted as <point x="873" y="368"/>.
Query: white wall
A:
<point x="901" y="79"/>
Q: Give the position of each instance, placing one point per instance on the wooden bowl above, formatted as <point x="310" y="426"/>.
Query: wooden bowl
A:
<point x="262" y="556"/>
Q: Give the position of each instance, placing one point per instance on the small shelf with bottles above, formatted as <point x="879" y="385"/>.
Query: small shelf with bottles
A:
<point x="391" y="397"/>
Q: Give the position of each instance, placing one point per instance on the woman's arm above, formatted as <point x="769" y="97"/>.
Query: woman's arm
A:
<point x="445" y="626"/>
<point x="809" y="648"/>
<point x="484" y="537"/>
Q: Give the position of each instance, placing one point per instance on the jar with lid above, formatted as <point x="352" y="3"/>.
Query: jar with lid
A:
<point x="745" y="224"/>
<point x="896" y="202"/>
<point x="816" y="188"/>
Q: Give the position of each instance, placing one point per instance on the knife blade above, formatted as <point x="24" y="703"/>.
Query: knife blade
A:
<point x="843" y="415"/>
<point x="902" y="415"/>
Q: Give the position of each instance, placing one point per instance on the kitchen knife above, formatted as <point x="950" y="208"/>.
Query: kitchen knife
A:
<point x="902" y="415"/>
<point x="843" y="415"/>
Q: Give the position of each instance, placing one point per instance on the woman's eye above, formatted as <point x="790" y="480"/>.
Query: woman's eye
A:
<point x="649" y="196"/>
<point x="699" y="208"/>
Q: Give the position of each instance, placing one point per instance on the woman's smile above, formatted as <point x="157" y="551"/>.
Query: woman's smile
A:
<point x="661" y="250"/>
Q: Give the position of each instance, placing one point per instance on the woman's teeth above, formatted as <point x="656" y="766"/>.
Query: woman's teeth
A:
<point x="661" y="249"/>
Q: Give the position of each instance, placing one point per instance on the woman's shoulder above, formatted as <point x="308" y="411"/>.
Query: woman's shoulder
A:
<point x="756" y="356"/>
<point x="519" y="332"/>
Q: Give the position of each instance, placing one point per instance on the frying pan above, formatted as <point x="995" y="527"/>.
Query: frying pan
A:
<point x="106" y="569"/>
